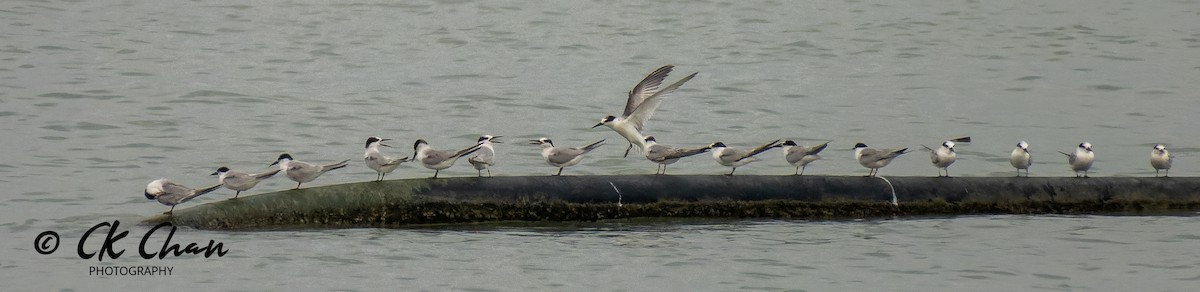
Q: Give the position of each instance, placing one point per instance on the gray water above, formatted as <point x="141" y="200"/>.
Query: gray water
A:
<point x="97" y="98"/>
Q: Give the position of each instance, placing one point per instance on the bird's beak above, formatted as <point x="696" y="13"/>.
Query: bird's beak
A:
<point x="597" y="125"/>
<point x="493" y="139"/>
<point x="386" y="145"/>
<point x="274" y="163"/>
<point x="215" y="173"/>
<point x="149" y="196"/>
<point x="535" y="142"/>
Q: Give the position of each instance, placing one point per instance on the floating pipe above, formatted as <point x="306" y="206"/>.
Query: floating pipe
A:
<point x="397" y="203"/>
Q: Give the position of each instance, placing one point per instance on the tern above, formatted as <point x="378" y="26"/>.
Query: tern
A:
<point x="944" y="156"/>
<point x="736" y="157"/>
<point x="1021" y="158"/>
<point x="241" y="181"/>
<point x="302" y="172"/>
<point x="800" y="156"/>
<point x="664" y="155"/>
<point x="171" y="194"/>
<point x="438" y="160"/>
<point x="643" y="100"/>
<point x="376" y="161"/>
<point x="875" y="159"/>
<point x="1082" y="159"/>
<point x="563" y="157"/>
<point x="1160" y="159"/>
<point x="486" y="156"/>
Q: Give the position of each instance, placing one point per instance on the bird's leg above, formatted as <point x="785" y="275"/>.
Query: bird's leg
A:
<point x="236" y="194"/>
<point x="489" y="172"/>
<point x="802" y="167"/>
<point x="731" y="171"/>
<point x="479" y="172"/>
<point x="172" y="211"/>
<point x="297" y="186"/>
<point x="627" y="149"/>
<point x="559" y="172"/>
<point x="435" y="172"/>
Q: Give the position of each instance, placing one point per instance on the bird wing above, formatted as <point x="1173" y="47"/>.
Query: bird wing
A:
<point x="466" y="151"/>
<point x="817" y="149"/>
<point x="759" y="149"/>
<point x="198" y="193"/>
<point x="675" y="153"/>
<point x="484" y="157"/>
<point x="642" y="113"/>
<point x="265" y="174"/>
<point x="872" y="155"/>
<point x="170" y="187"/>
<point x="396" y="161"/>
<point x="333" y="166"/>
<point x="648" y="87"/>
<point x="657" y="152"/>
<point x="563" y="155"/>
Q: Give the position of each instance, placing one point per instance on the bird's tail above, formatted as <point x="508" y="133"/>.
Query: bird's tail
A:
<point x="898" y="152"/>
<point x="593" y="146"/>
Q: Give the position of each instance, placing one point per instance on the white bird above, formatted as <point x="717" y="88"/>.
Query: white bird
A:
<point x="1160" y="159"/>
<point x="643" y="100"/>
<point x="376" y="161"/>
<point x="944" y="156"/>
<point x="1021" y="158"/>
<point x="302" y="172"/>
<point x="875" y="159"/>
<point x="241" y="181"/>
<point x="664" y="155"/>
<point x="563" y="157"/>
<point x="171" y="194"/>
<point x="1082" y="159"/>
<point x="486" y="156"/>
<point x="800" y="156"/>
<point x="736" y="157"/>
<point x="438" y="160"/>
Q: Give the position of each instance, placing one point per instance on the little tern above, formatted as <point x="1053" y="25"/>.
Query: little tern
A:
<point x="486" y="156"/>
<point x="1082" y="159"/>
<point x="171" y="194"/>
<point x="643" y="100"/>
<point x="664" y="155"/>
<point x="875" y="159"/>
<point x="800" y="156"/>
<point x="302" y="172"/>
<point x="564" y="157"/>
<point x="438" y="160"/>
<point x="376" y="161"/>
<point x="241" y="181"/>
<point x="944" y="156"/>
<point x="736" y="157"/>
<point x="1160" y="159"/>
<point x="1021" y="158"/>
